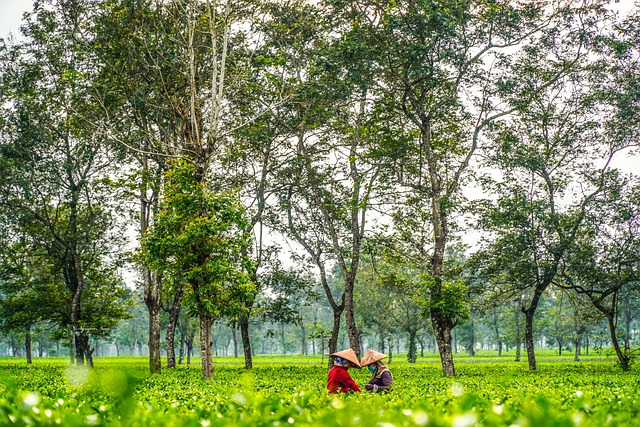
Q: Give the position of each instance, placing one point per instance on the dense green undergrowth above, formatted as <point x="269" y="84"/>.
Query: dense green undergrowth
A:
<point x="120" y="392"/>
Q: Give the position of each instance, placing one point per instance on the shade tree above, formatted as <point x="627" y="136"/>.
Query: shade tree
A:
<point x="199" y="240"/>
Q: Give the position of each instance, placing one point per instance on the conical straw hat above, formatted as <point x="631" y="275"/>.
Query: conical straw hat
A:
<point x="348" y="354"/>
<point x="371" y="356"/>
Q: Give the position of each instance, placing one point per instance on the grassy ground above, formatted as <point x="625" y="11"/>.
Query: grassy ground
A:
<point x="290" y="390"/>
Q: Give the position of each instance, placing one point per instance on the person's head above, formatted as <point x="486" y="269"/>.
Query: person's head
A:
<point x="373" y="367"/>
<point x="372" y="360"/>
<point x="342" y="362"/>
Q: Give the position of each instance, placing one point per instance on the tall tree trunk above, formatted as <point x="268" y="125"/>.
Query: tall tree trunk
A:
<point x="518" y="336"/>
<point x="350" y="320"/>
<point x="76" y="280"/>
<point x="333" y="340"/>
<point x="528" y="337"/>
<point x="628" y="318"/>
<point x="235" y="340"/>
<point x="72" y="351"/>
<point x="182" y="347"/>
<point x="189" y="348"/>
<point x="152" y="292"/>
<point x="303" y="343"/>
<point x="413" y="346"/>
<point x="246" y="342"/>
<point x="443" y="339"/>
<point x="440" y="320"/>
<point x="79" y="351"/>
<point x="528" y="320"/>
<point x="576" y="355"/>
<point x="471" y="349"/>
<point x="390" y="342"/>
<point x="205" y="346"/>
<point x="84" y="352"/>
<point x="623" y="359"/>
<point x="27" y="344"/>
<point x="497" y="331"/>
<point x="174" y="313"/>
<point x="586" y="345"/>
<point x="152" y="281"/>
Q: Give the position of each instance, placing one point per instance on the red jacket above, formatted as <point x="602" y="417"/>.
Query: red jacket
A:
<point x="339" y="381"/>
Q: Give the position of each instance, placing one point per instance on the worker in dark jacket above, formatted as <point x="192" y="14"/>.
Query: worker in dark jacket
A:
<point x="339" y="380"/>
<point x="381" y="378"/>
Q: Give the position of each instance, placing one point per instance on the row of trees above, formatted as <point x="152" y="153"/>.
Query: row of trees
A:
<point x="368" y="136"/>
<point x="496" y="329"/>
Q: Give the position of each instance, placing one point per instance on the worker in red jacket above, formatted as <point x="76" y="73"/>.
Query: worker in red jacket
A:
<point x="339" y="380"/>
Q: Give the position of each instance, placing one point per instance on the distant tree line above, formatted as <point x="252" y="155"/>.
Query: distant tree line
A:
<point x="438" y="171"/>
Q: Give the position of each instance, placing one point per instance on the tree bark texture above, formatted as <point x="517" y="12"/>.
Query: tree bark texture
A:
<point x="246" y="342"/>
<point x="333" y="340"/>
<point x="174" y="313"/>
<point x="528" y="337"/>
<point x="205" y="346"/>
<point x="235" y="341"/>
<point x="443" y="339"/>
<point x="623" y="359"/>
<point x="152" y="285"/>
<point x="27" y="344"/>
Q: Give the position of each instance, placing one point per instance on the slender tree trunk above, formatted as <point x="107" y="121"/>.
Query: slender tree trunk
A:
<point x="528" y="319"/>
<point x="77" y="283"/>
<point x="72" y="351"/>
<point x="27" y="344"/>
<point x="152" y="281"/>
<point x="205" y="346"/>
<point x="443" y="339"/>
<point x="413" y="347"/>
<point x="303" y="341"/>
<point x="576" y="355"/>
<point x="152" y="292"/>
<point x="87" y="351"/>
<point x="79" y="351"/>
<point x="350" y="320"/>
<point x="518" y="333"/>
<point x="628" y="318"/>
<point x="623" y="359"/>
<point x="246" y="342"/>
<point x="182" y="347"/>
<point x="497" y="331"/>
<point x="333" y="340"/>
<point x="471" y="349"/>
<point x="390" y="342"/>
<point x="189" y="349"/>
<point x="235" y="340"/>
<point x="174" y="313"/>
<point x="15" y="349"/>
<point x="528" y="337"/>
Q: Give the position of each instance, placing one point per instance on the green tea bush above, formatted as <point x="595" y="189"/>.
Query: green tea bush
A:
<point x="122" y="393"/>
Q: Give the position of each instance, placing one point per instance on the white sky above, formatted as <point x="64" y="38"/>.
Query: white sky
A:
<point x="11" y="13"/>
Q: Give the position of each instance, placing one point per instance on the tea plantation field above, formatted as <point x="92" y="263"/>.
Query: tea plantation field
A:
<point x="120" y="392"/>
